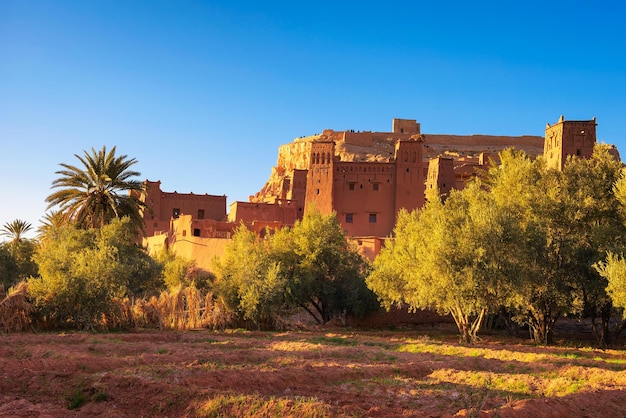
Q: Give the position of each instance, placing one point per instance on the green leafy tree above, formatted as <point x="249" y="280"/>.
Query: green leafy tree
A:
<point x="613" y="270"/>
<point x="448" y="257"/>
<point x="247" y="279"/>
<point x="543" y="289"/>
<point x="309" y="266"/>
<point x="568" y="221"/>
<point x="595" y="227"/>
<point x="323" y="273"/>
<point x="99" y="191"/>
<point x="8" y="268"/>
<point x="83" y="270"/>
<point x="17" y="253"/>
<point x="179" y="271"/>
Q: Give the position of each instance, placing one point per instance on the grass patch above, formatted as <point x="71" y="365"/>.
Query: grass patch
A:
<point x="334" y="340"/>
<point x="258" y="406"/>
<point x="77" y="399"/>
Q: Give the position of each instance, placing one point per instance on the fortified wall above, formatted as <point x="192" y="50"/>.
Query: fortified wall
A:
<point x="364" y="177"/>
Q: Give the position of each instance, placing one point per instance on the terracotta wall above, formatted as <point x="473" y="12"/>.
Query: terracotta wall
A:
<point x="364" y="195"/>
<point x="567" y="138"/>
<point x="441" y="175"/>
<point x="405" y="126"/>
<point x="284" y="212"/>
<point x="164" y="205"/>
<point x="410" y="182"/>
<point x="319" y="189"/>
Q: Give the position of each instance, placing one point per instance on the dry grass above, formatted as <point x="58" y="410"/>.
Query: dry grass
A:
<point x="245" y="406"/>
<point x="15" y="309"/>
<point x="181" y="308"/>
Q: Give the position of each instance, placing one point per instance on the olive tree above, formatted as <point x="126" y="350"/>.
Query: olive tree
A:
<point x="449" y="256"/>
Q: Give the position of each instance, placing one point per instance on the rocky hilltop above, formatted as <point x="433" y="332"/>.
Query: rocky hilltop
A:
<point x="380" y="146"/>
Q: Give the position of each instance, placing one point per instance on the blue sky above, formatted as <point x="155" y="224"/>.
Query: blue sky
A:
<point x="202" y="93"/>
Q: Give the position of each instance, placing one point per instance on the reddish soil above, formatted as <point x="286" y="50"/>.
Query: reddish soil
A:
<point x="348" y="373"/>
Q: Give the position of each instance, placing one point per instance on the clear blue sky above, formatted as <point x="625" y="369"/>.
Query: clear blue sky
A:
<point x="202" y="93"/>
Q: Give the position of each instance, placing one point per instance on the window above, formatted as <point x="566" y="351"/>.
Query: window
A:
<point x="200" y="214"/>
<point x="318" y="191"/>
<point x="175" y="213"/>
<point x="578" y="152"/>
<point x="372" y="218"/>
<point x="349" y="218"/>
<point x="351" y="186"/>
<point x="196" y="232"/>
<point x="375" y="187"/>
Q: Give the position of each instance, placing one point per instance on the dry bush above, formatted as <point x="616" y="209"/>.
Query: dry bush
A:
<point x="121" y="316"/>
<point x="15" y="308"/>
<point x="181" y="308"/>
<point x="216" y="314"/>
<point x="146" y="313"/>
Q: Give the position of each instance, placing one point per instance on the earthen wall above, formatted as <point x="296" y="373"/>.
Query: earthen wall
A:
<point x="400" y="126"/>
<point x="319" y="189"/>
<point x="364" y="196"/>
<point x="283" y="211"/>
<point x="410" y="184"/>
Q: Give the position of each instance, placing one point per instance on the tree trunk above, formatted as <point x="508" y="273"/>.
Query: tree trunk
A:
<point x="468" y="328"/>
<point x="602" y="331"/>
<point x="541" y="326"/>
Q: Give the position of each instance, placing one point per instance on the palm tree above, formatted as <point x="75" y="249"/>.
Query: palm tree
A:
<point x="52" y="219"/>
<point x="100" y="191"/>
<point x="15" y="230"/>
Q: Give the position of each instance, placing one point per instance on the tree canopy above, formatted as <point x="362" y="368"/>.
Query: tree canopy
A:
<point x="448" y="257"/>
<point x="310" y="266"/>
<point x="521" y="237"/>
<point x="83" y="270"/>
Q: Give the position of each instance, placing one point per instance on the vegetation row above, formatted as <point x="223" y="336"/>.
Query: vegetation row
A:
<point x="523" y="242"/>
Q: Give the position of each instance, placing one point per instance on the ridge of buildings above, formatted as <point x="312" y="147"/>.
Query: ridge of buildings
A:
<point x="364" y="177"/>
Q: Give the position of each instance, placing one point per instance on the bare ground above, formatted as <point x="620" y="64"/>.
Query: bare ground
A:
<point x="328" y="372"/>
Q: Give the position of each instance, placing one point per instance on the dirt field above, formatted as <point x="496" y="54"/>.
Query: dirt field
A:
<point x="330" y="372"/>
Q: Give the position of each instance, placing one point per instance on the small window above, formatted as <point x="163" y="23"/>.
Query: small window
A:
<point x="372" y="218"/>
<point x="318" y="191"/>
<point x="196" y="232"/>
<point x="184" y="232"/>
<point x="200" y="214"/>
<point x="375" y="187"/>
<point x="349" y="218"/>
<point x="578" y="152"/>
<point x="351" y="186"/>
<point x="175" y="213"/>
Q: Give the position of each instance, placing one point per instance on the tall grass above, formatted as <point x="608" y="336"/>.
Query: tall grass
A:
<point x="15" y="308"/>
<point x="181" y="308"/>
